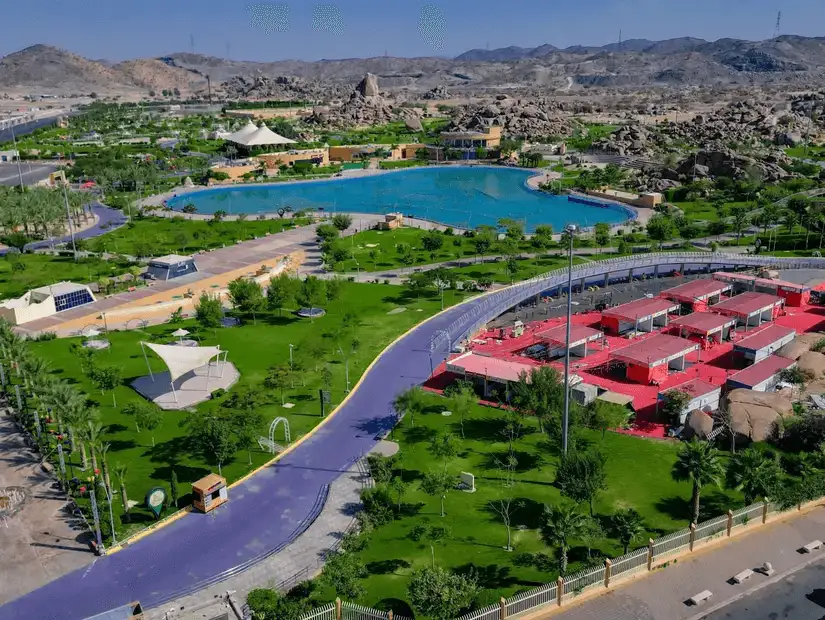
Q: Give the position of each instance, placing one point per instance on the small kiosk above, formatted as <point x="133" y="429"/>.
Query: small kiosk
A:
<point x="210" y="492"/>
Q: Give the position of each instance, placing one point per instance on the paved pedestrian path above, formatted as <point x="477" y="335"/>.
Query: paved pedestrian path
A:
<point x="301" y="560"/>
<point x="662" y="595"/>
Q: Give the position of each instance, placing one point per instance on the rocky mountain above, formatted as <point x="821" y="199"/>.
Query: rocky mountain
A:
<point x="793" y="60"/>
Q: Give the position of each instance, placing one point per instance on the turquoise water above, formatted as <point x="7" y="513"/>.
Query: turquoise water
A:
<point x="457" y="196"/>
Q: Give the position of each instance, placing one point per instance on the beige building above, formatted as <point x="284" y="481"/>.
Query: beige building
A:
<point x="319" y="157"/>
<point x="45" y="301"/>
<point x="488" y="139"/>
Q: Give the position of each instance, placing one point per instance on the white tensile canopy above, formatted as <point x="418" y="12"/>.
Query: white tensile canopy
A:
<point x="243" y="133"/>
<point x="262" y="136"/>
<point x="181" y="360"/>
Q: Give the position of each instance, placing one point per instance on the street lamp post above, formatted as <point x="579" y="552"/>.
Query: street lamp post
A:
<point x="292" y="346"/>
<point x="571" y="230"/>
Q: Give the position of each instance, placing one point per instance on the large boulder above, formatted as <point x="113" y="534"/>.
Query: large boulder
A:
<point x="698" y="424"/>
<point x="799" y="345"/>
<point x="413" y="123"/>
<point x="813" y="363"/>
<point x="756" y="415"/>
<point x="368" y="87"/>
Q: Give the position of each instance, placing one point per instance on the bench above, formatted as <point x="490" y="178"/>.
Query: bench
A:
<point x="816" y="544"/>
<point x="745" y="574"/>
<point x="697" y="599"/>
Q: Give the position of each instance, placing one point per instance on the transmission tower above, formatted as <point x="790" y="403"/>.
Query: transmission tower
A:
<point x="778" y="24"/>
<point x="228" y="50"/>
<point x="192" y="43"/>
<point x="620" y="39"/>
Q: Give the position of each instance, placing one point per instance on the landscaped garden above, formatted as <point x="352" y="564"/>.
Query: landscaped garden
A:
<point x="22" y="272"/>
<point x="121" y="430"/>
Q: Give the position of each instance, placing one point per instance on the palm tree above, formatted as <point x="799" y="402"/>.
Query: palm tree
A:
<point x="699" y="464"/>
<point x="561" y="524"/>
<point x="104" y="451"/>
<point x="628" y="525"/>
<point x="78" y="418"/>
<point x="120" y="472"/>
<point x="93" y="435"/>
<point x="753" y="472"/>
<point x="409" y="403"/>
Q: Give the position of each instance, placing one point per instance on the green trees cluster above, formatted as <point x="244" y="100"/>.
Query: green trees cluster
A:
<point x="39" y="213"/>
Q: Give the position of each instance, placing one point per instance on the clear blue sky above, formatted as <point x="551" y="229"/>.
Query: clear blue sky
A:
<point x="122" y="29"/>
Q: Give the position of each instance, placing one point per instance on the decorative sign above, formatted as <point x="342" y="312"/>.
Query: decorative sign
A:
<point x="155" y="499"/>
<point x="326" y="398"/>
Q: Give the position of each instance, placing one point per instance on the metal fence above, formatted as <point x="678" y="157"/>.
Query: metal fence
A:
<point x="671" y="543"/>
<point x="537" y="597"/>
<point x="491" y="612"/>
<point x="576" y="583"/>
<point x="743" y="516"/>
<point x="629" y="563"/>
<point x="351" y="611"/>
<point x="327" y="612"/>
<point x="710" y="528"/>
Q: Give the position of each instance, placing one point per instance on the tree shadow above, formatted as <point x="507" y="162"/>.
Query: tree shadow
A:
<point x="419" y="434"/>
<point x="117" y="445"/>
<point x="530" y="513"/>
<point x="484" y="429"/>
<point x="411" y="510"/>
<point x="817" y="597"/>
<point x="711" y="504"/>
<point x="185" y="473"/>
<point x="385" y="567"/>
<point x="489" y="577"/>
<point x="397" y="606"/>
<point x="525" y="460"/>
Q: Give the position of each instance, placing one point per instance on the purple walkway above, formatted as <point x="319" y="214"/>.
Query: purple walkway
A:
<point x="270" y="509"/>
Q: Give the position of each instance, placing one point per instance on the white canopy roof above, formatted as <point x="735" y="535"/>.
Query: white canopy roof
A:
<point x="262" y="136"/>
<point x="181" y="360"/>
<point x="243" y="133"/>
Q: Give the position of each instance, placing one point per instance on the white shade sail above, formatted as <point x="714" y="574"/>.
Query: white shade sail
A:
<point x="181" y="360"/>
<point x="180" y="333"/>
<point x="262" y="136"/>
<point x="243" y="133"/>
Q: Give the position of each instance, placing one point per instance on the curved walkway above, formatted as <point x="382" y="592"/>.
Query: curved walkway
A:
<point x="269" y="510"/>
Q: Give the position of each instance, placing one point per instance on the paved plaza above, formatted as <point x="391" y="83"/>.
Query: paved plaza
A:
<point x="41" y="540"/>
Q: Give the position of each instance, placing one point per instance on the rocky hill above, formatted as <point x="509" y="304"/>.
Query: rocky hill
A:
<point x="793" y="60"/>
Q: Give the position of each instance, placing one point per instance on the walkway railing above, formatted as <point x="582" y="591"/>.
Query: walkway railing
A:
<point x="591" y="578"/>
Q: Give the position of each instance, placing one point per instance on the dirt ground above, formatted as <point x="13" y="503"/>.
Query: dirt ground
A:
<point x="41" y="540"/>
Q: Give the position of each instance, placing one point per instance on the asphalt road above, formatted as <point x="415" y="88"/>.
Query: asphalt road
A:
<point x="31" y="173"/>
<point x="799" y="596"/>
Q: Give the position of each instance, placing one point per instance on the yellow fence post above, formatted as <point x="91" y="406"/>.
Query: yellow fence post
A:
<point x="502" y="613"/>
<point x="559" y="590"/>
<point x="730" y="521"/>
<point x="338" y="609"/>
<point x="649" y="554"/>
<point x="389" y="615"/>
<point x="607" y="565"/>
<point x="692" y="535"/>
<point x="764" y="510"/>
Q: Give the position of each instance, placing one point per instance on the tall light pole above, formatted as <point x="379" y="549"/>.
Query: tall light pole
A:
<point x="19" y="170"/>
<point x="570" y="229"/>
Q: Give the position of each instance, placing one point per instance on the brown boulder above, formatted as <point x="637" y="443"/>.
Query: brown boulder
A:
<point x="368" y="87"/>
<point x="698" y="424"/>
<point x="812" y="362"/>
<point x="801" y="344"/>
<point x="755" y="415"/>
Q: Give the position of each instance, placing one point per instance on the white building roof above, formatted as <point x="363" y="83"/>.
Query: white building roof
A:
<point x="61" y="288"/>
<point x="243" y="133"/>
<point x="169" y="259"/>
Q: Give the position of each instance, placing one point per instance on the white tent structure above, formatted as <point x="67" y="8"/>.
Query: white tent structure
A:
<point x="181" y="360"/>
<point x="243" y="133"/>
<point x="261" y="136"/>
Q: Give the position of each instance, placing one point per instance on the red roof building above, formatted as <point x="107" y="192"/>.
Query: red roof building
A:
<point x="764" y="343"/>
<point x="795" y="295"/>
<point x="580" y="337"/>
<point x="649" y="360"/>
<point x="640" y="315"/>
<point x="699" y="294"/>
<point x="762" y="376"/>
<point x="751" y="309"/>
<point x="705" y="328"/>
<point x="704" y="396"/>
<point x="490" y="372"/>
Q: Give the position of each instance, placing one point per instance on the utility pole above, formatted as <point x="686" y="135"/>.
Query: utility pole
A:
<point x="778" y="24"/>
<point x="19" y="170"/>
<point x="565" y="422"/>
<point x="192" y="43"/>
<point x="209" y="87"/>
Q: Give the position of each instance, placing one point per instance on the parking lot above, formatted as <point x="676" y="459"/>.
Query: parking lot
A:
<point x="32" y="173"/>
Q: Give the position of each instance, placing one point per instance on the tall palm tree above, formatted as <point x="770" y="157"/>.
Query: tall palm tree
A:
<point x="409" y="403"/>
<point x="699" y="464"/>
<point x="93" y="435"/>
<point x="753" y="472"/>
<point x="628" y="526"/>
<point x="104" y="451"/>
<point x="78" y="417"/>
<point x="561" y="524"/>
<point x="120" y="473"/>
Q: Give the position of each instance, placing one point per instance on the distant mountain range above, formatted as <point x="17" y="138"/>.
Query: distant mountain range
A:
<point x="632" y="63"/>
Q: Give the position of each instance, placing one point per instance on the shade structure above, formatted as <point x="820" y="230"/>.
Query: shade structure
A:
<point x="180" y="333"/>
<point x="181" y="360"/>
<point x="243" y="133"/>
<point x="262" y="136"/>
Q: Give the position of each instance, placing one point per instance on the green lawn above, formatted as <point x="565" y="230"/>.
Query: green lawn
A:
<point x="387" y="256"/>
<point x="253" y="348"/>
<point x="811" y="152"/>
<point x="407" y="163"/>
<point x="154" y="236"/>
<point x="639" y="478"/>
<point x="41" y="269"/>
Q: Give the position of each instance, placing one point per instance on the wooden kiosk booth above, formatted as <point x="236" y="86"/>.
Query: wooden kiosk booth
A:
<point x="210" y="492"/>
